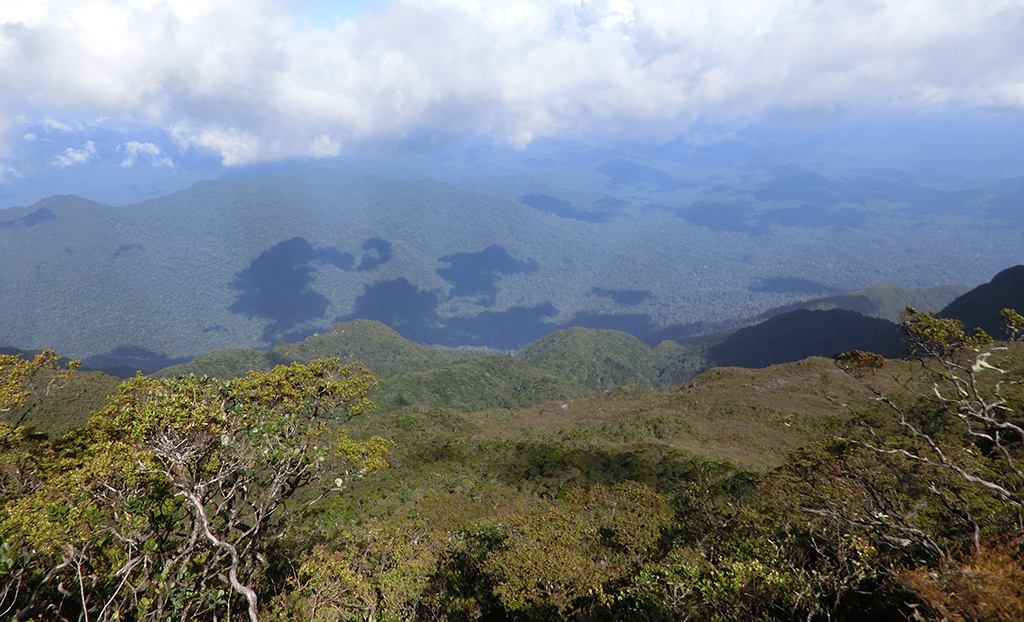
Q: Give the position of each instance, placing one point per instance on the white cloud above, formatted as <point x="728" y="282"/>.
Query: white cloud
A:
<point x="53" y="125"/>
<point x="8" y="172"/>
<point x="233" y="146"/>
<point x="149" y="151"/>
<point x="246" y="80"/>
<point x="323" y="147"/>
<point x="76" y="156"/>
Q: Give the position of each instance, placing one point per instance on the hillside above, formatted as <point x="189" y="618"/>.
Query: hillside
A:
<point x="980" y="306"/>
<point x="565" y="365"/>
<point x="747" y="417"/>
<point x="483" y="383"/>
<point x="382" y="350"/>
<point x="600" y="359"/>
<point x="59" y="407"/>
<point x="751" y="418"/>
<point x="514" y="459"/>
<point x="882" y="301"/>
<point x="803" y="333"/>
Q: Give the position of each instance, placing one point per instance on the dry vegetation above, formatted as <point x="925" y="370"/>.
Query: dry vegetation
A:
<point x="752" y="418"/>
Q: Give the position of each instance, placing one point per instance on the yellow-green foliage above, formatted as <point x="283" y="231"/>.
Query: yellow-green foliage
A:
<point x="169" y="499"/>
<point x="939" y="337"/>
<point x="16" y="372"/>
<point x="1013" y="322"/>
<point x="561" y="556"/>
<point x="586" y="509"/>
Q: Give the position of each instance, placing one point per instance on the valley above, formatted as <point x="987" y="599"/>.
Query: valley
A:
<point x="249" y="262"/>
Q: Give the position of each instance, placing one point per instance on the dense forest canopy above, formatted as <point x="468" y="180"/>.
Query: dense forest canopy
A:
<point x="250" y="262"/>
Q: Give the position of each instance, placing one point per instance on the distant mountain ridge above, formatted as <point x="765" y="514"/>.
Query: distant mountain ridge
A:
<point x="881" y="301"/>
<point x="803" y="333"/>
<point x="373" y="344"/>
<point x="566" y="364"/>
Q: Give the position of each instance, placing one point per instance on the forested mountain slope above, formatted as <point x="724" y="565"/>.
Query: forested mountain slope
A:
<point x="567" y="363"/>
<point x="980" y="306"/>
<point x="882" y="301"/>
<point x="802" y="333"/>
<point x="373" y="344"/>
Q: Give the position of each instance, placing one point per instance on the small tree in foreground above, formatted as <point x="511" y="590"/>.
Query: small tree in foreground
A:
<point x="167" y="504"/>
<point x="17" y="377"/>
<point x="16" y="374"/>
<point x="963" y="424"/>
<point x="966" y="380"/>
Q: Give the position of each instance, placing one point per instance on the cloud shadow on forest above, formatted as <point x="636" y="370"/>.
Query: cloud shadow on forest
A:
<point x="414" y="314"/>
<point x="477" y="274"/>
<point x="126" y="361"/>
<point x="277" y="285"/>
<point x="564" y="209"/>
<point x="624" y="297"/>
<point x="42" y="214"/>
<point x="378" y="253"/>
<point x="625" y="172"/>
<point x="744" y="218"/>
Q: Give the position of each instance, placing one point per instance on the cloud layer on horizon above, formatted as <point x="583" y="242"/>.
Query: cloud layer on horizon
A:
<point x="249" y="81"/>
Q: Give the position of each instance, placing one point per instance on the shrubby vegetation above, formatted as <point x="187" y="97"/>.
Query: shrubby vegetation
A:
<point x="171" y="501"/>
<point x="859" y="488"/>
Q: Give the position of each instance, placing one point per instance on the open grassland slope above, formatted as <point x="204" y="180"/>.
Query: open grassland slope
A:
<point x="752" y="418"/>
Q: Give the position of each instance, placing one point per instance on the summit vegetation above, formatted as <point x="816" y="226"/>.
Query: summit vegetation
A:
<point x="357" y="475"/>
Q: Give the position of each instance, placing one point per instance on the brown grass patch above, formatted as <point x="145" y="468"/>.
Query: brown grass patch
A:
<point x="752" y="418"/>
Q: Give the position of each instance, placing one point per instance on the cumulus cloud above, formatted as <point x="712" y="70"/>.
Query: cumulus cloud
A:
<point x="245" y="80"/>
<point x="73" y="156"/>
<point x="148" y="151"/>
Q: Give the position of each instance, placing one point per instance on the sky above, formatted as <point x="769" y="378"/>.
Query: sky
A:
<point x="244" y="82"/>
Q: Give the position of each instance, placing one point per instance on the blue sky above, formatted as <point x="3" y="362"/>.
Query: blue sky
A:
<point x="243" y="82"/>
<point x="326" y="14"/>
